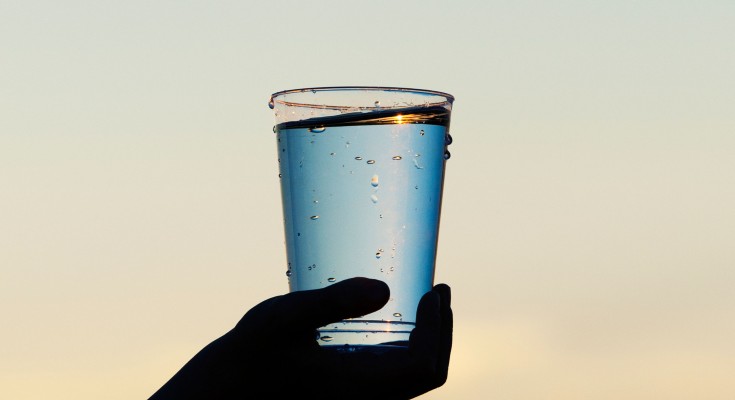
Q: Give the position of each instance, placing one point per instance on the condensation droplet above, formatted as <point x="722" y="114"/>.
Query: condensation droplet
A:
<point x="279" y="176"/>
<point x="397" y="314"/>
<point x="289" y="273"/>
<point x="416" y="187"/>
<point x="331" y="279"/>
<point x="374" y="199"/>
<point x="317" y="129"/>
<point x="422" y="133"/>
<point x="374" y="181"/>
<point x="392" y="269"/>
<point x="371" y="161"/>
<point x="448" y="139"/>
<point x="326" y="338"/>
<point x="397" y="158"/>
<point x="274" y="129"/>
<point x="314" y="217"/>
<point x="271" y="104"/>
<point x="331" y="154"/>
<point x="377" y="103"/>
<point x="379" y="253"/>
<point x="358" y="158"/>
<point x="316" y="201"/>
<point x="447" y="154"/>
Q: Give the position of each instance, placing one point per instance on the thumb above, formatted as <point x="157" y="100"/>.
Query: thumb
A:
<point x="310" y="309"/>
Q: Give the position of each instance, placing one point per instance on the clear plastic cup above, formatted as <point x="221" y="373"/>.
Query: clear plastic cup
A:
<point x="361" y="171"/>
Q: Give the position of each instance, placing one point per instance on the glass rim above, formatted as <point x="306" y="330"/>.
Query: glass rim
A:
<point x="274" y="97"/>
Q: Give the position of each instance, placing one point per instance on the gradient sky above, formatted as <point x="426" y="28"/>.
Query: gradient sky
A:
<point x="588" y="220"/>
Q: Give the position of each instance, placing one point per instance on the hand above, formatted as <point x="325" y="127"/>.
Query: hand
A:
<point x="272" y="353"/>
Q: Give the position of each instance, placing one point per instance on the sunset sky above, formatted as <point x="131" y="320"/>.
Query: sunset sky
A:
<point x="588" y="228"/>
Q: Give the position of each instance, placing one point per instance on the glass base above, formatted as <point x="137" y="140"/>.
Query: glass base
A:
<point x="359" y="333"/>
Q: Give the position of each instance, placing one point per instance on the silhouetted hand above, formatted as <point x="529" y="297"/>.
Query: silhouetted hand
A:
<point x="272" y="353"/>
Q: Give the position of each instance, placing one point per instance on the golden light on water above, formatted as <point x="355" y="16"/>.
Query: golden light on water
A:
<point x="399" y="119"/>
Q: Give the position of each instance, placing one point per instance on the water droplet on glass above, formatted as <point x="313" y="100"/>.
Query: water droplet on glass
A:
<point x="374" y="199"/>
<point x="422" y="133"/>
<point x="314" y="217"/>
<point x="448" y="139"/>
<point x="317" y="129"/>
<point x="377" y="103"/>
<point x="391" y="269"/>
<point x="316" y="201"/>
<point x="358" y="158"/>
<point x="374" y="181"/>
<point x="274" y="129"/>
<point x="447" y="154"/>
<point x="379" y="253"/>
<point x="279" y="176"/>
<point x="371" y="161"/>
<point x="397" y="314"/>
<point x="289" y="273"/>
<point x="397" y="158"/>
<point x="326" y="338"/>
<point x="416" y="187"/>
<point x="331" y="154"/>
<point x="271" y="105"/>
<point x="331" y="279"/>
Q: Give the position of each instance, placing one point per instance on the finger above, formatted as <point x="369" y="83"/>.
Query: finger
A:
<point x="424" y="339"/>
<point x="310" y="309"/>
<point x="445" y="333"/>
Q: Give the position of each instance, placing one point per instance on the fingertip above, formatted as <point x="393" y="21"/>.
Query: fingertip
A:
<point x="445" y="292"/>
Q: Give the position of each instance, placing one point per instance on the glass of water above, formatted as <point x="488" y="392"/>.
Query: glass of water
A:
<point x="361" y="172"/>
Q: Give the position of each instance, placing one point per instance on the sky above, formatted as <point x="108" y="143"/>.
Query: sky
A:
<point x="587" y="223"/>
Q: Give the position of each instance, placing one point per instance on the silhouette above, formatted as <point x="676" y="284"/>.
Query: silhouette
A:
<point x="272" y="352"/>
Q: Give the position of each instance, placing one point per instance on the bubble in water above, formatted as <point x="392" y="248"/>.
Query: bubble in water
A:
<point x="448" y="139"/>
<point x="374" y="181"/>
<point x="397" y="158"/>
<point x="326" y="338"/>
<point x="358" y="158"/>
<point x="314" y="217"/>
<point x="331" y="279"/>
<point x="447" y="154"/>
<point x="317" y="129"/>
<point x="371" y="161"/>
<point x="374" y="199"/>
<point x="397" y="314"/>
<point x="422" y="133"/>
<point x="271" y="105"/>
